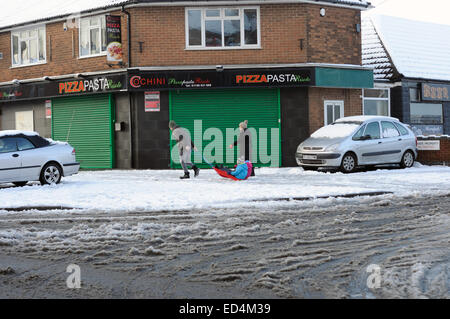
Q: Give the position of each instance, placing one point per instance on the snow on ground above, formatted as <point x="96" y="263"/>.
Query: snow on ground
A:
<point x="230" y="247"/>
<point x="155" y="190"/>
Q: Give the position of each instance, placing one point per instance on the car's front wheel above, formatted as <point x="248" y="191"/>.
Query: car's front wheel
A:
<point x="50" y="174"/>
<point x="348" y="164"/>
<point x="20" y="184"/>
<point x="407" y="160"/>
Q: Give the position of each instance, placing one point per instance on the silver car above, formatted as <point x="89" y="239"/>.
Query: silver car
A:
<point x="358" y="141"/>
<point x="25" y="156"/>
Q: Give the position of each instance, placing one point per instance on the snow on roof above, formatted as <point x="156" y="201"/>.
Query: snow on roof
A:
<point x="19" y="12"/>
<point x="363" y="118"/>
<point x="374" y="54"/>
<point x="16" y="132"/>
<point x="417" y="49"/>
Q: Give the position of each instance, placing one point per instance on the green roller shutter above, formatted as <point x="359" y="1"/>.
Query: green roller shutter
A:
<point x="86" y="123"/>
<point x="226" y="108"/>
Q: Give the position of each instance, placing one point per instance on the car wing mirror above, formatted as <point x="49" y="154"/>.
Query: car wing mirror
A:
<point x="365" y="138"/>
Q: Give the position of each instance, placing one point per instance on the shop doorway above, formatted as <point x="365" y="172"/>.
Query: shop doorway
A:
<point x="219" y="110"/>
<point x="86" y="122"/>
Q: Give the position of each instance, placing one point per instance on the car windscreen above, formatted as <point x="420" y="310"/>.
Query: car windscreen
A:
<point x="336" y="130"/>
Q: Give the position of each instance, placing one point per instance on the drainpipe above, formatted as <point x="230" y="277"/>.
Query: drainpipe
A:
<point x="128" y="34"/>
<point x="130" y="98"/>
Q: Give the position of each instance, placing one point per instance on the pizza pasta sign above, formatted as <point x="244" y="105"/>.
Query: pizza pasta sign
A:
<point x="88" y="86"/>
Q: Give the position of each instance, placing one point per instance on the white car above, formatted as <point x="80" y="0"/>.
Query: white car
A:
<point x="359" y="141"/>
<point x="25" y="156"/>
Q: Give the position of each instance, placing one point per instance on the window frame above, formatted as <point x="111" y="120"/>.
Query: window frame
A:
<point x="379" y="130"/>
<point x="441" y="104"/>
<point x="334" y="102"/>
<point x="27" y="115"/>
<point x="25" y="139"/>
<point x="362" y="129"/>
<point x="16" y="32"/>
<point x="400" y="127"/>
<point x="417" y="98"/>
<point x="221" y="18"/>
<point x="388" y="99"/>
<point x="395" y="127"/>
<point x="90" y="55"/>
<point x="4" y="138"/>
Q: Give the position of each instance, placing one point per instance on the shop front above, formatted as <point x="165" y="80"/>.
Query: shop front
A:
<point x="430" y="108"/>
<point x="211" y="102"/>
<point x="425" y="106"/>
<point x="79" y="110"/>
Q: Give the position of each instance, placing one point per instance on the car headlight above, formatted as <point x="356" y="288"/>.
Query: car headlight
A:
<point x="332" y="148"/>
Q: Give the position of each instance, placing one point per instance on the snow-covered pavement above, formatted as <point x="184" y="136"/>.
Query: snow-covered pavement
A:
<point x="152" y="190"/>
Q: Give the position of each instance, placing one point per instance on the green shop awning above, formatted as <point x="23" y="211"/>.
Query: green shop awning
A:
<point x="344" y="78"/>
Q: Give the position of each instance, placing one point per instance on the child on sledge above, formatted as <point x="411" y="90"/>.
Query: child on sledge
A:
<point x="242" y="171"/>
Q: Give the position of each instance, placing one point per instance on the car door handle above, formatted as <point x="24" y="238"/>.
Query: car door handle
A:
<point x="15" y="155"/>
<point x="380" y="142"/>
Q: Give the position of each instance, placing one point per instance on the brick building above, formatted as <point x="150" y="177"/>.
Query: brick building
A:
<point x="288" y="67"/>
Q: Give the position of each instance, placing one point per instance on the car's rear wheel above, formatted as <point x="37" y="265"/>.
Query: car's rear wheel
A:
<point x="349" y="163"/>
<point x="407" y="160"/>
<point x="51" y="174"/>
<point x="20" y="184"/>
<point x="310" y="168"/>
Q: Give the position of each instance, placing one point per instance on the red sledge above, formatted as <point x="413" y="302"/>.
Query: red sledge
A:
<point x="225" y="174"/>
<point x="242" y="168"/>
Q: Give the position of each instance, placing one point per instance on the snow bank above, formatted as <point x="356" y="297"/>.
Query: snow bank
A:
<point x="154" y="190"/>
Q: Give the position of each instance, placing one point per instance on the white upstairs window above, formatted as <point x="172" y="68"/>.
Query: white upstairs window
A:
<point x="28" y="46"/>
<point x="92" y="36"/>
<point x="222" y="28"/>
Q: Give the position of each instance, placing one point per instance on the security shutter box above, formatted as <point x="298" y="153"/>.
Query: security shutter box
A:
<point x="86" y="122"/>
<point x="226" y="108"/>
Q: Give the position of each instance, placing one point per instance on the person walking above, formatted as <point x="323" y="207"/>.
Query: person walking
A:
<point x="245" y="145"/>
<point x="185" y="146"/>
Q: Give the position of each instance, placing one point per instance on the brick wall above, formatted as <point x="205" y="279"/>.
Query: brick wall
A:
<point x="329" y="39"/>
<point x="333" y="38"/>
<point x="317" y="97"/>
<point x="62" y="55"/>
<point x="436" y="157"/>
